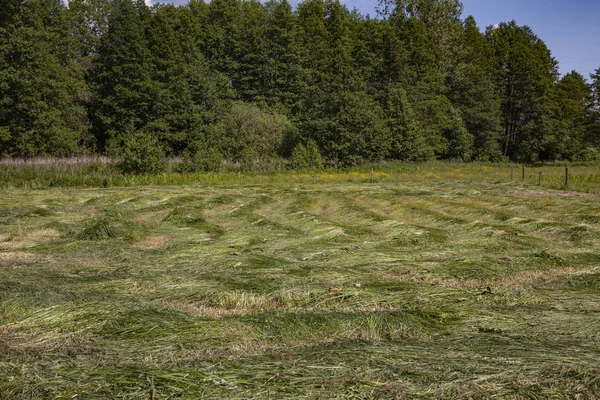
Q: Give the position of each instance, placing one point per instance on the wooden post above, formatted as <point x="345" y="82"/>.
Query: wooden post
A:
<point x="540" y="179"/>
<point x="511" y="173"/>
<point x="523" y="172"/>
<point x="566" y="176"/>
<point x="371" y="174"/>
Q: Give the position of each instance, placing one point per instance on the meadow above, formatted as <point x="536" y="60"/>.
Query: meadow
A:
<point x="437" y="281"/>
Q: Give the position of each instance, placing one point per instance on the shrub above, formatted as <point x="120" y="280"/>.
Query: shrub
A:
<point x="142" y="154"/>
<point x="307" y="157"/>
<point x="300" y="157"/>
<point x="250" y="131"/>
<point x="200" y="157"/>
<point x="589" y="154"/>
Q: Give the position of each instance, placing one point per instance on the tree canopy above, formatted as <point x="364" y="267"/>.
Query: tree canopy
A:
<point x="247" y="79"/>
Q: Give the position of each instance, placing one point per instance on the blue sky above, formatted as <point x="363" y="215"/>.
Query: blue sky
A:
<point x="570" y="28"/>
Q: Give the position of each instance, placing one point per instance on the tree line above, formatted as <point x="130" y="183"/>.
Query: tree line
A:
<point x="253" y="82"/>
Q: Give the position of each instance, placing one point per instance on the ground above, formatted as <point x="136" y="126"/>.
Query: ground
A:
<point x="315" y="288"/>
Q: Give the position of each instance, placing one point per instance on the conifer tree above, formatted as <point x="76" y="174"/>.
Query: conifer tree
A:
<point x="171" y="108"/>
<point x="122" y="76"/>
<point x="407" y="140"/>
<point x="284" y="73"/>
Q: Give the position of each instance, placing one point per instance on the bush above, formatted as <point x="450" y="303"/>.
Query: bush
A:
<point x="142" y="154"/>
<point x="589" y="154"/>
<point x="200" y="157"/>
<point x="300" y="157"/>
<point x="249" y="131"/>
<point x="251" y="160"/>
<point x="307" y="157"/>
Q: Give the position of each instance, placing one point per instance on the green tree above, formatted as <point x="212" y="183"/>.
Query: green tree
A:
<point x="592" y="138"/>
<point x="336" y="111"/>
<point x="121" y="76"/>
<point x="42" y="90"/>
<point x="473" y="93"/>
<point x="525" y="72"/>
<point x="201" y="157"/>
<point x="441" y="20"/>
<point x="284" y="76"/>
<point x="570" y="101"/>
<point x="172" y="106"/>
<point x="307" y="157"/>
<point x="407" y="140"/>
<point x="235" y="44"/>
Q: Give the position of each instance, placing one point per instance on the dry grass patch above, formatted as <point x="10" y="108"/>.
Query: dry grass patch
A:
<point x="151" y="217"/>
<point x="519" y="279"/>
<point x="203" y="311"/>
<point x="15" y="256"/>
<point x="153" y="242"/>
<point x="224" y="209"/>
<point x="37" y="341"/>
<point x="30" y="239"/>
<point x="275" y="208"/>
<point x="225" y="304"/>
<point x="527" y="193"/>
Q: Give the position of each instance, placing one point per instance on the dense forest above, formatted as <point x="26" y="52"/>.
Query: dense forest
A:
<point x="260" y="82"/>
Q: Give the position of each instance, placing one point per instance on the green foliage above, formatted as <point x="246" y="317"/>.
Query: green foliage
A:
<point x="121" y="74"/>
<point x="251" y="80"/>
<point x="407" y="139"/>
<point x="569" y="105"/>
<point x="250" y="133"/>
<point x="473" y="94"/>
<point x="525" y="72"/>
<point x="142" y="153"/>
<point x="201" y="157"/>
<point x="307" y="157"/>
<point x="42" y="85"/>
<point x="588" y="154"/>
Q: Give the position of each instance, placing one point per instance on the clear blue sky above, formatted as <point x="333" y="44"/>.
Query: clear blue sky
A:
<point x="570" y="28"/>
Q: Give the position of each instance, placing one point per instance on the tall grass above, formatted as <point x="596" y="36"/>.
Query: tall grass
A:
<point x="102" y="172"/>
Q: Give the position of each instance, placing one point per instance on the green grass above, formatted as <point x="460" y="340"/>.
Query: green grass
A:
<point x="331" y="285"/>
<point x="41" y="173"/>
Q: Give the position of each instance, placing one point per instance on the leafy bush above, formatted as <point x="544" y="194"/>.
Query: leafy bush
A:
<point x="142" y="154"/>
<point x="250" y="131"/>
<point x="251" y="160"/>
<point x="589" y="154"/>
<point x="200" y="157"/>
<point x="307" y="157"/>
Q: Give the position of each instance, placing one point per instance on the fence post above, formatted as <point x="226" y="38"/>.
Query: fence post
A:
<point x="566" y="176"/>
<point x="511" y="173"/>
<point x="540" y="179"/>
<point x="523" y="172"/>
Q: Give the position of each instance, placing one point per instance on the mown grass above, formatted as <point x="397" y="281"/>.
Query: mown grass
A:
<point x="332" y="285"/>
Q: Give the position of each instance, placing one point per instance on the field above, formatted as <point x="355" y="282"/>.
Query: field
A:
<point x="438" y="281"/>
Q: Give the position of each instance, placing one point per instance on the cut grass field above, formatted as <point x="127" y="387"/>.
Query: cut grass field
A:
<point x="302" y="286"/>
